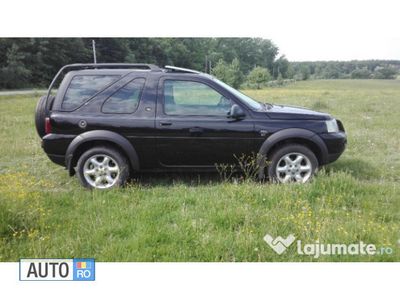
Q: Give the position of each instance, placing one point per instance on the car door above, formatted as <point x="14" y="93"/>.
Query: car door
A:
<point x="192" y="124"/>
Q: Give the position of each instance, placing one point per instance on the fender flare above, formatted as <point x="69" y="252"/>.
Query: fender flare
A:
<point x="290" y="133"/>
<point x="101" y="135"/>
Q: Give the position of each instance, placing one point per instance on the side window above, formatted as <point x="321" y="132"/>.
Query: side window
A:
<point x="193" y="98"/>
<point x="83" y="87"/>
<point x="126" y="99"/>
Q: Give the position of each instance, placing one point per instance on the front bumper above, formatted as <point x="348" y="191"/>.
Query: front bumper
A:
<point x="335" y="144"/>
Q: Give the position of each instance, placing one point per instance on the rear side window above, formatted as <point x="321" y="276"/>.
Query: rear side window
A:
<point x="126" y="99"/>
<point x="83" y="87"/>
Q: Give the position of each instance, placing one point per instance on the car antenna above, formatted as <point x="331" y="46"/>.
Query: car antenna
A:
<point x="94" y="51"/>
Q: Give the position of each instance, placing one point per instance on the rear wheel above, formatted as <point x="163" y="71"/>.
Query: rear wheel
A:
<point x="102" y="168"/>
<point x="292" y="163"/>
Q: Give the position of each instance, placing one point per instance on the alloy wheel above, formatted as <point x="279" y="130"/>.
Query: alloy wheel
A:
<point x="101" y="171"/>
<point x="294" y="167"/>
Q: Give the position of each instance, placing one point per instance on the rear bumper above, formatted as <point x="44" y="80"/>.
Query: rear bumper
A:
<point x="335" y="144"/>
<point x="55" y="146"/>
<point x="57" y="159"/>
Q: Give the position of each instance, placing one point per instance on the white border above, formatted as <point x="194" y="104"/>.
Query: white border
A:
<point x="179" y="18"/>
<point x="215" y="281"/>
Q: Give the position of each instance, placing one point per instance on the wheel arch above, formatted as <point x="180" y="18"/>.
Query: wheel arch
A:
<point x="289" y="136"/>
<point x="90" y="139"/>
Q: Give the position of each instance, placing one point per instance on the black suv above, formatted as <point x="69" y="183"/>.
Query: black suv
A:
<point x="109" y="120"/>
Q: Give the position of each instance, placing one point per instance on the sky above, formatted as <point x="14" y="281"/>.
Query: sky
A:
<point x="336" y="30"/>
<point x="302" y="29"/>
<point x="338" y="48"/>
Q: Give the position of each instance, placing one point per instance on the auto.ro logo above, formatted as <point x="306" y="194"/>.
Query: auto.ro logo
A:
<point x="55" y="269"/>
<point x="279" y="244"/>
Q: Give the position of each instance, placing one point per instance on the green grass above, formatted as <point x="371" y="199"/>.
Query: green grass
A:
<point x="45" y="213"/>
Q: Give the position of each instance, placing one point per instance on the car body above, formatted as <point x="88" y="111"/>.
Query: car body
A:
<point x="176" y="120"/>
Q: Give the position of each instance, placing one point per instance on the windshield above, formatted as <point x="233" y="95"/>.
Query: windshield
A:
<point x="246" y="99"/>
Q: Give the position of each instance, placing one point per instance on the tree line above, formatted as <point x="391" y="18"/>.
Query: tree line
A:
<point x="28" y="62"/>
<point x="366" y="69"/>
<point x="32" y="62"/>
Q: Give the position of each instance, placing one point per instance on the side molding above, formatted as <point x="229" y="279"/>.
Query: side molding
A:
<point x="101" y="135"/>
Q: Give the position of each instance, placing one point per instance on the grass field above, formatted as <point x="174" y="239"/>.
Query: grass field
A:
<point x="45" y="213"/>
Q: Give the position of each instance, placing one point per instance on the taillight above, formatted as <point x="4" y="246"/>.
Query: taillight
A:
<point x="47" y="126"/>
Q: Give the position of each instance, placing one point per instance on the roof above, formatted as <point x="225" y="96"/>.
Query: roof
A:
<point x="126" y="66"/>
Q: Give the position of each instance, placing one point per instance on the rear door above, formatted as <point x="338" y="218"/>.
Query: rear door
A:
<point x="192" y="127"/>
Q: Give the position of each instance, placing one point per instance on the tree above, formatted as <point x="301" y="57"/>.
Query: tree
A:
<point x="223" y="72"/>
<point x="237" y="75"/>
<point x="386" y="72"/>
<point x="258" y="76"/>
<point x="280" y="79"/>
<point x="249" y="51"/>
<point x="14" y="74"/>
<point x="228" y="73"/>
<point x="281" y="67"/>
<point x="332" y="71"/>
<point x="28" y="62"/>
<point x="302" y="72"/>
<point x="48" y="55"/>
<point x="377" y="69"/>
<point x="109" y="50"/>
<point x="363" y="73"/>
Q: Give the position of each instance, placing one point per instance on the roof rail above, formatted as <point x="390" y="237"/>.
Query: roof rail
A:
<point x="111" y="66"/>
<point x="97" y="66"/>
<point x="183" y="70"/>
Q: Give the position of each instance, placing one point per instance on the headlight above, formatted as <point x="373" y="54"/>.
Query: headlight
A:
<point x="332" y="126"/>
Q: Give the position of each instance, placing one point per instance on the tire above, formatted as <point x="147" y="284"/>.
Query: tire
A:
<point x="292" y="163"/>
<point x="40" y="115"/>
<point x="91" y="166"/>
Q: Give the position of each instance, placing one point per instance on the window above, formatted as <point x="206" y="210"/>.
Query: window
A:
<point x="246" y="99"/>
<point x="193" y="98"/>
<point x="83" y="87"/>
<point x="126" y="99"/>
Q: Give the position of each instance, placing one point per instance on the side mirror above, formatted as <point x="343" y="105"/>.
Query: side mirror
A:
<point x="236" y="112"/>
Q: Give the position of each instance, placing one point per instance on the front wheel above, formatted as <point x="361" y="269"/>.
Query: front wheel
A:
<point x="292" y="163"/>
<point x="102" y="168"/>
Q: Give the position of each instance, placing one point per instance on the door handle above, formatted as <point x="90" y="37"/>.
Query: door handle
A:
<point x="165" y="123"/>
<point x="197" y="130"/>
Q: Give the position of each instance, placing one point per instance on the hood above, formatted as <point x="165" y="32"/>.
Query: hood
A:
<point x="285" y="112"/>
